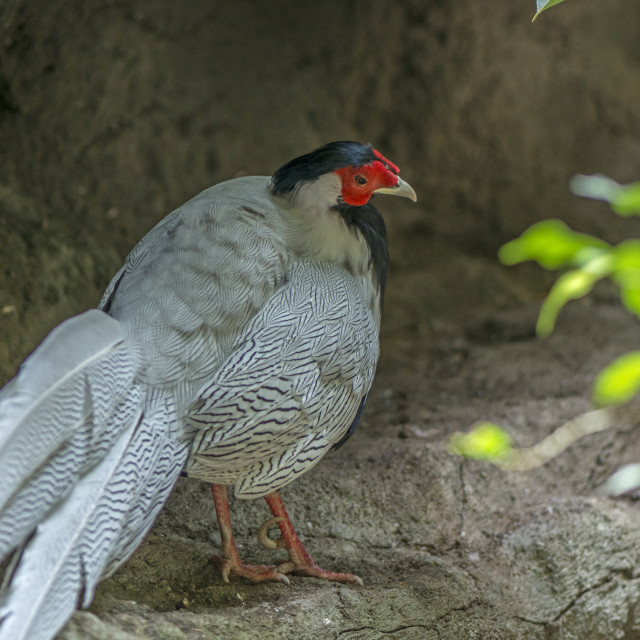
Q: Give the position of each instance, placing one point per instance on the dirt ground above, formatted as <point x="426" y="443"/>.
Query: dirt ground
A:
<point x="114" y="112"/>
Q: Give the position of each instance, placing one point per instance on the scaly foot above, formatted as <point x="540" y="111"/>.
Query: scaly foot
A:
<point x="233" y="566"/>
<point x="229" y="560"/>
<point x="300" y="562"/>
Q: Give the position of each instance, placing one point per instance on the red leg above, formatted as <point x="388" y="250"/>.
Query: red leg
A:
<point x="229" y="560"/>
<point x="299" y="562"/>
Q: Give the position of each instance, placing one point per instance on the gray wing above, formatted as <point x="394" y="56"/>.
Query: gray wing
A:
<point x="87" y="458"/>
<point x="293" y="387"/>
<point x="192" y="284"/>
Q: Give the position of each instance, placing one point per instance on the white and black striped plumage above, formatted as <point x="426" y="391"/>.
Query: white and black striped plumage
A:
<point x="237" y="345"/>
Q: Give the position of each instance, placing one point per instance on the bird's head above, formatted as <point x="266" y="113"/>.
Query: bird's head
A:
<point x="340" y="173"/>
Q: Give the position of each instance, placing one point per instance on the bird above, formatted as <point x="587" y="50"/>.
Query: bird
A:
<point x="237" y="346"/>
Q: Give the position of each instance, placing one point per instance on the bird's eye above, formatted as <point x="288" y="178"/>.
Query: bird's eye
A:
<point x="361" y="180"/>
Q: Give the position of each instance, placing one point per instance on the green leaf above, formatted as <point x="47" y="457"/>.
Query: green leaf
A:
<point x="596" y="187"/>
<point x="487" y="440"/>
<point x="627" y="255"/>
<point x="631" y="299"/>
<point x="627" y="201"/>
<point x="624" y="199"/>
<point x="552" y="244"/>
<point x="569" y="286"/>
<point x="626" y="273"/>
<point x="619" y="381"/>
<point x="542" y="5"/>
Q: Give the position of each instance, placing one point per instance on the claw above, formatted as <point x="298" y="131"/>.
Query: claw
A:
<point x="230" y="567"/>
<point x="284" y="578"/>
<point x="265" y="540"/>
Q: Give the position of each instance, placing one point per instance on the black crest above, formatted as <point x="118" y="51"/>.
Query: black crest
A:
<point x="311" y="166"/>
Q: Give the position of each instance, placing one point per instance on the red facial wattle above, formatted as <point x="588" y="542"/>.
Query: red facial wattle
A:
<point x="359" y="183"/>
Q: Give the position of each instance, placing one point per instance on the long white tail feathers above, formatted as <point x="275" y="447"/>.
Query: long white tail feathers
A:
<point x="47" y="586"/>
<point x="93" y="531"/>
<point x="65" y="383"/>
<point x="89" y="458"/>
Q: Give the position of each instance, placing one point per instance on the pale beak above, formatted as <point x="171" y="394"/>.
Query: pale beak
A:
<point x="401" y="188"/>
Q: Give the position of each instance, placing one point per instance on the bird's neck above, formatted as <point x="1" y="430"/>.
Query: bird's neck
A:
<point x="352" y="237"/>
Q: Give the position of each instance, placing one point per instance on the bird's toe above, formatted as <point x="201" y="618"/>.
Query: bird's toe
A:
<point x="253" y="572"/>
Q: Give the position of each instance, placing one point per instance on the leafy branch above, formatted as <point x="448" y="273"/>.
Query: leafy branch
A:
<point x="584" y="260"/>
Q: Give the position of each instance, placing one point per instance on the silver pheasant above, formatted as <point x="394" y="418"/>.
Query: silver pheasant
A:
<point x="236" y="345"/>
